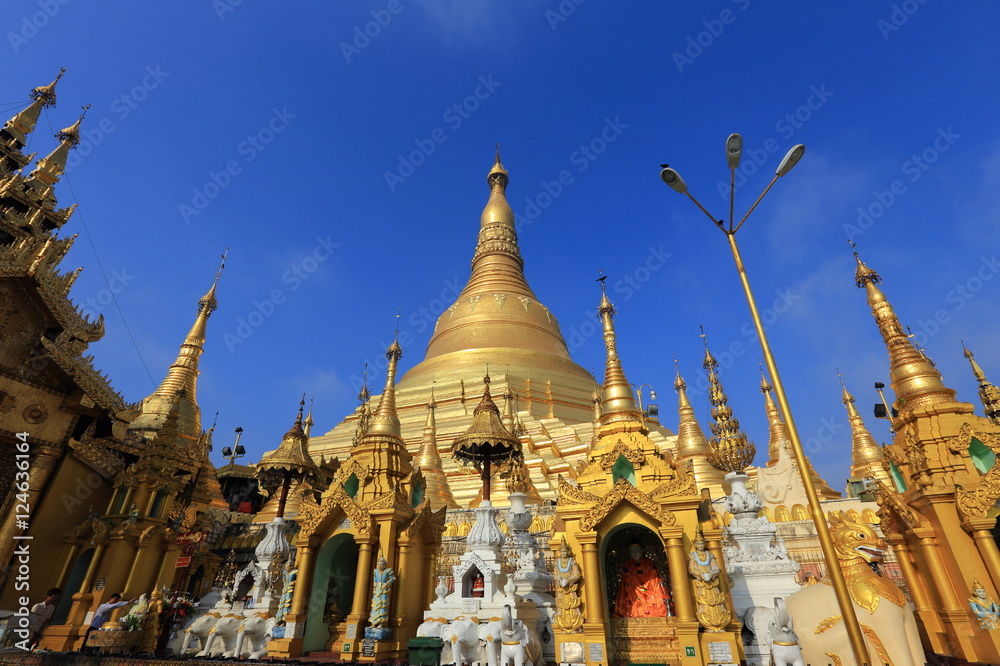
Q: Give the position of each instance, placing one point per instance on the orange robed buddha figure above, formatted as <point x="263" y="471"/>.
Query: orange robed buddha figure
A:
<point x="641" y="592"/>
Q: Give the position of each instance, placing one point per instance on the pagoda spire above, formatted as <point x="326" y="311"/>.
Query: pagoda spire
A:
<point x="779" y="436"/>
<point x="914" y="379"/>
<point x="14" y="132"/>
<point x="429" y="460"/>
<point x="989" y="394"/>
<point x="618" y="401"/>
<point x="309" y="417"/>
<point x="866" y="454"/>
<point x="48" y="169"/>
<point x="385" y="420"/>
<point x="691" y="442"/>
<point x="731" y="450"/>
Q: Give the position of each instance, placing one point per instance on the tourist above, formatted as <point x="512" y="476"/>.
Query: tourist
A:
<point x="42" y="612"/>
<point x="103" y="612"/>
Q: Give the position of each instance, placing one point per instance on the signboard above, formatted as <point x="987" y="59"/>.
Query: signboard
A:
<point x="595" y="652"/>
<point x="368" y="647"/>
<point x="572" y="652"/>
<point x="189" y="537"/>
<point x="689" y="651"/>
<point x="352" y="632"/>
<point x="347" y="647"/>
<point x="470" y="606"/>
<point x="344" y="524"/>
<point x="183" y="561"/>
<point x="720" y="652"/>
<point x="100" y="584"/>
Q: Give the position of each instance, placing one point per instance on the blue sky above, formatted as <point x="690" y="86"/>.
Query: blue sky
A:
<point x="340" y="150"/>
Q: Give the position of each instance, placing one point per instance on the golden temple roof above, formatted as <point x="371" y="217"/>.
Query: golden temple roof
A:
<point x="487" y="438"/>
<point x="24" y="122"/>
<point x="48" y="169"/>
<point x="292" y="455"/>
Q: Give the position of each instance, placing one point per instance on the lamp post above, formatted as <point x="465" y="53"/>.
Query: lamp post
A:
<point x="734" y="149"/>
<point x="638" y="393"/>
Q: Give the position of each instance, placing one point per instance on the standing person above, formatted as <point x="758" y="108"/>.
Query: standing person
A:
<point x="103" y="612"/>
<point x="41" y="613"/>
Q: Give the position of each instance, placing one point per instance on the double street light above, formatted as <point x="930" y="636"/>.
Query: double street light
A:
<point x="734" y="150"/>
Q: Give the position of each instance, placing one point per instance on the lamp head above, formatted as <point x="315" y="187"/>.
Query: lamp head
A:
<point x="734" y="150"/>
<point x="791" y="159"/>
<point x="652" y="394"/>
<point x="674" y="180"/>
<point x="240" y="451"/>
<point x="226" y="451"/>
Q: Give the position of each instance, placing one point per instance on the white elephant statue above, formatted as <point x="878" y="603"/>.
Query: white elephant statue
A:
<point x="257" y="630"/>
<point x="519" y="645"/>
<point x="430" y="628"/>
<point x="785" y="650"/>
<point x="222" y="638"/>
<point x="462" y="636"/>
<point x="196" y="635"/>
<point x="489" y="635"/>
<point x="886" y="618"/>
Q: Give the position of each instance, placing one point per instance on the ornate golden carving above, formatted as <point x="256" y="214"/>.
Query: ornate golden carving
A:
<point x="35" y="414"/>
<point x="682" y="484"/>
<point x="645" y="640"/>
<point x="623" y="490"/>
<point x="567" y="575"/>
<point x="975" y="503"/>
<point x="873" y="638"/>
<point x="608" y="460"/>
<point x="888" y="500"/>
<point x="856" y="544"/>
<point x="828" y="624"/>
<point x="312" y="514"/>
<point x="570" y="493"/>
<point x="960" y="443"/>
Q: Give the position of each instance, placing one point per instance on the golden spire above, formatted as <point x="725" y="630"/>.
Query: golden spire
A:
<point x="49" y="169"/>
<point x="385" y="421"/>
<point x="508" y="407"/>
<point x="779" y="437"/>
<point x="866" y="454"/>
<point x="429" y="461"/>
<point x="618" y="401"/>
<point x="595" y="398"/>
<point x="183" y="373"/>
<point x="913" y="377"/>
<point x="690" y="438"/>
<point x="309" y="417"/>
<point x="292" y="455"/>
<point x="731" y="451"/>
<point x="497" y="319"/>
<point x="989" y="394"/>
<point x="18" y="127"/>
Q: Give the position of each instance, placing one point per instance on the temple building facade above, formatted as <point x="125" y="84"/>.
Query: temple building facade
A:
<point x="619" y="530"/>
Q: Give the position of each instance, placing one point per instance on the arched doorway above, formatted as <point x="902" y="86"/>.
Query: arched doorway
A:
<point x="73" y="583"/>
<point x="640" y="628"/>
<point x="332" y="591"/>
<point x="193" y="587"/>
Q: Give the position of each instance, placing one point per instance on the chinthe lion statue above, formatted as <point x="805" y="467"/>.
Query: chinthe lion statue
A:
<point x="885" y="616"/>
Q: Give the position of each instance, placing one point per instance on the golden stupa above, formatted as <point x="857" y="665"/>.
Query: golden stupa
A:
<point x="498" y="323"/>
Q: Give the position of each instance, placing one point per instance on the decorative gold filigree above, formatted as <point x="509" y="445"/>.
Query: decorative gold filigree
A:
<point x="888" y="499"/>
<point x="625" y="491"/>
<point x="312" y="515"/>
<point x="682" y="484"/>
<point x="852" y="540"/>
<point x="960" y="443"/>
<point x="827" y="624"/>
<point x="570" y="493"/>
<point x="975" y="503"/>
<point x="608" y="460"/>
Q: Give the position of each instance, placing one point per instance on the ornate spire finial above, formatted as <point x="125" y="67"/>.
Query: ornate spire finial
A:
<point x="309" y="416"/>
<point x="385" y="421"/>
<point x="989" y="394"/>
<point x="364" y="395"/>
<point x="618" y="400"/>
<point x="778" y="435"/>
<point x="428" y="459"/>
<point x="690" y="437"/>
<point x="208" y="303"/>
<point x="47" y="94"/>
<point x="731" y="451"/>
<point x="49" y="169"/>
<point x="14" y="132"/>
<point x="914" y="378"/>
<point x="866" y="454"/>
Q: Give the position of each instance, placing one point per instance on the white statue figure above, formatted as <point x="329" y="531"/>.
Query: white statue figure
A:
<point x="985" y="608"/>
<point x="222" y="638"/>
<point x="252" y="637"/>
<point x="785" y="650"/>
<point x="196" y="636"/>
<point x="463" y="635"/>
<point x="382" y="580"/>
<point x="518" y="645"/>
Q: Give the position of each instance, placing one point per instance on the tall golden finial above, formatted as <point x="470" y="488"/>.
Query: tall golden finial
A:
<point x="779" y="437"/>
<point x="22" y="124"/>
<point x="497" y="233"/>
<point x="618" y="400"/>
<point x="913" y="377"/>
<point x="308" y="423"/>
<point x="989" y="394"/>
<point x="385" y="421"/>
<point x="866" y="454"/>
<point x="690" y="437"/>
<point x="429" y="460"/>
<point x="48" y="169"/>
<point x="731" y="451"/>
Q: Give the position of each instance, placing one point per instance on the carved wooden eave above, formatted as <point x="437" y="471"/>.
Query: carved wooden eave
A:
<point x="352" y="466"/>
<point x="81" y="370"/>
<point x="97" y="454"/>
<point x="392" y="501"/>
<point x="890" y="502"/>
<point x="608" y="460"/>
<point x="623" y="491"/>
<point x="979" y="500"/>
<point x="44" y="217"/>
<point x="682" y="484"/>
<point x="312" y="514"/>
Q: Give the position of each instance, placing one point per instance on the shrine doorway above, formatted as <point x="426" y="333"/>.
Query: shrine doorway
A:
<point x="644" y="631"/>
<point x="332" y="591"/>
<point x="76" y="576"/>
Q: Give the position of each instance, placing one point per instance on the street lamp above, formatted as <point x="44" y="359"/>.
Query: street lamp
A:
<point x="734" y="149"/>
<point x="638" y="393"/>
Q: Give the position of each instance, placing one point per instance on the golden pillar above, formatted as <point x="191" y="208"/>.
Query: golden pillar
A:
<point x="359" y="608"/>
<point x="929" y="547"/>
<point x="63" y="577"/>
<point x="918" y="591"/>
<point x="303" y="584"/>
<point x="592" y="584"/>
<point x="987" y="547"/>
<point x="401" y="570"/>
<point x="683" y="597"/>
<point x="43" y="462"/>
